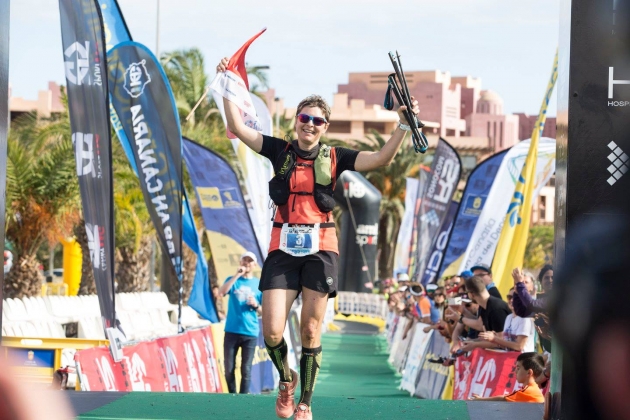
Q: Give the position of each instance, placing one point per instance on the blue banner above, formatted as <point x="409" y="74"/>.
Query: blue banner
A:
<point x="437" y="254"/>
<point x="473" y="200"/>
<point x="220" y="197"/>
<point x="116" y="31"/>
<point x="262" y="367"/>
<point x="433" y="376"/>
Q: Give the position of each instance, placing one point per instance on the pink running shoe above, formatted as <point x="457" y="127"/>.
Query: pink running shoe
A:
<point x="303" y="412"/>
<point x="285" y="404"/>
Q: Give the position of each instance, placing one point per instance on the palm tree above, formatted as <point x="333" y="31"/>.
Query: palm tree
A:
<point x="391" y="183"/>
<point x="42" y="195"/>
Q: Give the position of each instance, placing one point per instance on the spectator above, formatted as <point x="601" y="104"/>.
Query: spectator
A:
<point x="241" y="326"/>
<point x="518" y="333"/>
<point x="437" y="298"/>
<point x="403" y="279"/>
<point x="525" y="302"/>
<point x="545" y="277"/>
<point x="485" y="273"/>
<point x="492" y="310"/>
<point x="420" y="310"/>
<point x="469" y="309"/>
<point x="529" y="366"/>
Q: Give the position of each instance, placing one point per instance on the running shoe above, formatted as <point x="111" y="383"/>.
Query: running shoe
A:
<point x="285" y="404"/>
<point x="303" y="412"/>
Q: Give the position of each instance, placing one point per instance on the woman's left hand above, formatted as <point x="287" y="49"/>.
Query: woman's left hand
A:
<point x="415" y="109"/>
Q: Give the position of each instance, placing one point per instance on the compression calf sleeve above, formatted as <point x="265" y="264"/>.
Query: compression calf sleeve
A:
<point x="309" y="368"/>
<point x="278" y="355"/>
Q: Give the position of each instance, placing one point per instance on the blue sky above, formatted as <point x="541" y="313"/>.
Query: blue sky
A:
<point x="311" y="47"/>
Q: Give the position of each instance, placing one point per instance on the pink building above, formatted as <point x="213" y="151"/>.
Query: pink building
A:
<point x="526" y="126"/>
<point x="489" y="121"/>
<point x="48" y="102"/>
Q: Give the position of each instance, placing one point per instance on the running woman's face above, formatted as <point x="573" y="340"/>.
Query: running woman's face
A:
<point x="308" y="134"/>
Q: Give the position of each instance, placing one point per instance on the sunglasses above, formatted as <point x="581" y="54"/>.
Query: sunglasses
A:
<point x="305" y="118"/>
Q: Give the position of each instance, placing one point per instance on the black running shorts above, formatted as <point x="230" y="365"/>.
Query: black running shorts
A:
<point x="316" y="272"/>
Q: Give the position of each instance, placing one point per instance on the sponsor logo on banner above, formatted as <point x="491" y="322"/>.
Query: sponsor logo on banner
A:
<point x="137" y="373"/>
<point x="619" y="163"/>
<point x="96" y="244"/>
<point x="193" y="377"/>
<point x="435" y="259"/>
<point x="473" y="204"/>
<point x="611" y="85"/>
<point x="485" y="374"/>
<point x="87" y="154"/>
<point x="136" y="78"/>
<point x="78" y="63"/>
<point x="354" y="190"/>
<point x="107" y="374"/>
<point x="367" y="234"/>
<point x="445" y="178"/>
<point x="213" y="367"/>
<point x="431" y="218"/>
<point x="175" y="383"/>
<point x="200" y="366"/>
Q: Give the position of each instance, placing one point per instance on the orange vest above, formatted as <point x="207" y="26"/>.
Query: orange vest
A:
<point x="301" y="208"/>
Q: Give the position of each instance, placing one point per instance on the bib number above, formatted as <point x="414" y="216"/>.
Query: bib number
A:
<point x="299" y="240"/>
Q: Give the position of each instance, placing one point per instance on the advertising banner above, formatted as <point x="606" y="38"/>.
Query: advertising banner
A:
<point x="487" y="373"/>
<point x="182" y="363"/>
<point x="415" y="358"/>
<point x="401" y="352"/>
<point x="86" y="80"/>
<point x="360" y="202"/>
<point x="262" y="367"/>
<point x="433" y="376"/>
<point x="437" y="253"/>
<point x="397" y="338"/>
<point x="472" y="204"/>
<point x="435" y="202"/>
<point x="116" y="31"/>
<point x="222" y="207"/>
<point x="144" y="103"/>
<point x="485" y="236"/>
<point x="401" y="257"/>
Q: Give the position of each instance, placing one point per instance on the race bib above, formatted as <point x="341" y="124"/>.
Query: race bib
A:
<point x="299" y="240"/>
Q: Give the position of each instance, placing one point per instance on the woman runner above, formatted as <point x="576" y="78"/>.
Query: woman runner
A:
<point x="303" y="252"/>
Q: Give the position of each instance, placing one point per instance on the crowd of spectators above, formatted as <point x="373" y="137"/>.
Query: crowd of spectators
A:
<point x="469" y="312"/>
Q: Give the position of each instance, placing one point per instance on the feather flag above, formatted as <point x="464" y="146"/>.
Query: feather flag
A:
<point x="513" y="240"/>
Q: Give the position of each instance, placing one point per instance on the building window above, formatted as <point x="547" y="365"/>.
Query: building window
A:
<point x="339" y="127"/>
<point x="542" y="206"/>
<point x="368" y="126"/>
<point x="450" y="132"/>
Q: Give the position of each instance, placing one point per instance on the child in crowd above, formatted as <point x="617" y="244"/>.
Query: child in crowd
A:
<point x="529" y="366"/>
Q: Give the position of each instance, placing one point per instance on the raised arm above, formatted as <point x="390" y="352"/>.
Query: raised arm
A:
<point x="366" y="161"/>
<point x="252" y="138"/>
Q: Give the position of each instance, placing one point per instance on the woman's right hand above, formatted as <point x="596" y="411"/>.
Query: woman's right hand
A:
<point x="222" y="66"/>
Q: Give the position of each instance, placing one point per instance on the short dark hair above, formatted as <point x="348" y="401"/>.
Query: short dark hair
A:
<point x="475" y="285"/>
<point x="315" y="101"/>
<point x="533" y="361"/>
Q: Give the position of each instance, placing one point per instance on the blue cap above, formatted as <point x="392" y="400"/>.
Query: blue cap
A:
<point x="466" y="274"/>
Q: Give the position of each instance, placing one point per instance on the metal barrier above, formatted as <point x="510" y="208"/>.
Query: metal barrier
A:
<point x="365" y="304"/>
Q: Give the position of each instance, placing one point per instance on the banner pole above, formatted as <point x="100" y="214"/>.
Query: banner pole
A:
<point x="4" y="124"/>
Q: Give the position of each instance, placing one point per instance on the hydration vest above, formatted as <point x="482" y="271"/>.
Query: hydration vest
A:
<point x="302" y="190"/>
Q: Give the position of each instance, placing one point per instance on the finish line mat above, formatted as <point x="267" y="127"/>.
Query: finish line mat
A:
<point x="355" y="382"/>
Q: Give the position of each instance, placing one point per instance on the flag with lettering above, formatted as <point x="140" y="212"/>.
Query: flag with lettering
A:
<point x="143" y="100"/>
<point x="86" y="79"/>
<point x="117" y="32"/>
<point x="435" y="201"/>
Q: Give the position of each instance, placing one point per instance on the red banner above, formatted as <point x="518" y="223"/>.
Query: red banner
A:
<point x="182" y="363"/>
<point x="486" y="373"/>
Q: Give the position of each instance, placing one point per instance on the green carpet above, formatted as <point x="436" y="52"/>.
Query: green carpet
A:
<point x="355" y="382"/>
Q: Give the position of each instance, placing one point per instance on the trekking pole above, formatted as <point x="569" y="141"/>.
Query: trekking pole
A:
<point x="420" y="142"/>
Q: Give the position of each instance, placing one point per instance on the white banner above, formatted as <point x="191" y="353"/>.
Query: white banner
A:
<point x="401" y="256"/>
<point x="403" y="348"/>
<point x="484" y="239"/>
<point x="415" y="357"/>
<point x="257" y="171"/>
<point x="397" y="339"/>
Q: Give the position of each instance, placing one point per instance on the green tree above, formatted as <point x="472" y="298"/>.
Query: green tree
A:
<point x="42" y="195"/>
<point x="391" y="183"/>
<point x="539" y="248"/>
